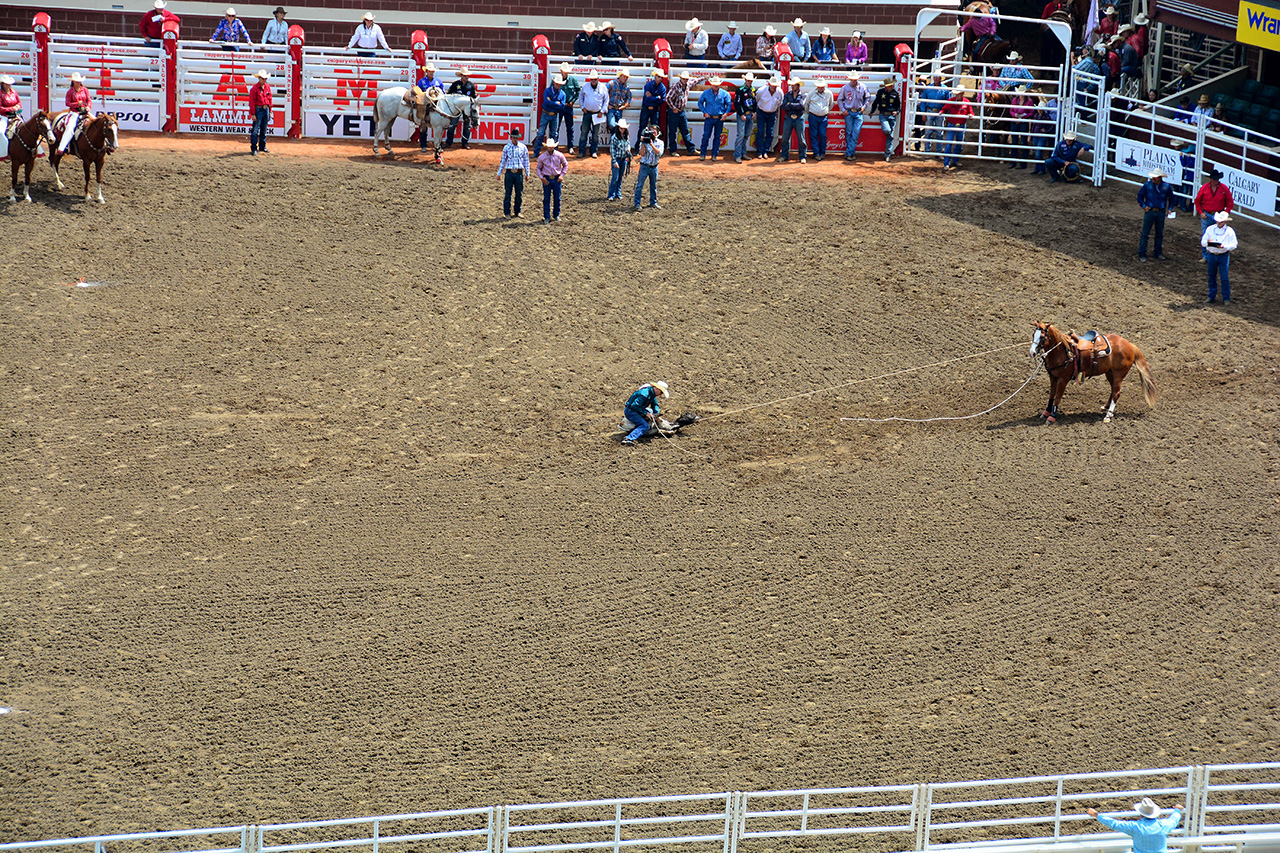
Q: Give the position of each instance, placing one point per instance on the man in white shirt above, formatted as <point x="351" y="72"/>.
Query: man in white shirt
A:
<point x="818" y="105"/>
<point x="368" y="37"/>
<point x="594" y="100"/>
<point x="695" y="40"/>
<point x="1219" y="241"/>
<point x="768" y="102"/>
<point x="730" y="45"/>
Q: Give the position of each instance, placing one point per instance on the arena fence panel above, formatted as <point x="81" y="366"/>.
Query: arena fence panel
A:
<point x="1083" y="105"/>
<point x="704" y="821"/>
<point x="213" y="88"/>
<point x="608" y="70"/>
<point x="124" y="76"/>
<point x="883" y="818"/>
<point x="17" y="59"/>
<point x="506" y="87"/>
<point x="455" y="831"/>
<point x="339" y="89"/>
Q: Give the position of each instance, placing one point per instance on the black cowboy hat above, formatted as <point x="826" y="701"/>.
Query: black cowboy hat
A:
<point x="279" y="11"/>
<point x="1215" y="175"/>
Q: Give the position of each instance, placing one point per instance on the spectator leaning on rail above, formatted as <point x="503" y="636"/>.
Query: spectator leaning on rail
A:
<point x="744" y="107"/>
<point x="368" y="37"/>
<point x="793" y="107"/>
<point x="932" y="97"/>
<point x="1213" y="198"/>
<point x="612" y="45"/>
<point x="276" y="33"/>
<point x="1022" y="109"/>
<point x="231" y="31"/>
<point x="1219" y="241"/>
<point x="1138" y="38"/>
<point x="887" y="105"/>
<point x="1187" y="161"/>
<point x="462" y="86"/>
<point x="1063" y="159"/>
<point x="714" y="104"/>
<point x="586" y="44"/>
<point x="572" y="90"/>
<point x="152" y="23"/>
<point x="553" y="109"/>
<point x="513" y="171"/>
<point x="552" y="167"/>
<point x="818" y="105"/>
<point x="595" y="100"/>
<point x="1015" y="72"/>
<point x="260" y="103"/>
<point x="798" y="41"/>
<point x="856" y="52"/>
<point x="1155" y="197"/>
<point x="651" y="101"/>
<point x="853" y="102"/>
<point x="619" y="97"/>
<point x="650" y="154"/>
<point x="696" y="40"/>
<point x="1110" y="23"/>
<point x="764" y="46"/>
<point x="1042" y="127"/>
<point x="824" y="49"/>
<point x="730" y="45"/>
<point x="956" y="112"/>
<point x="1150" y="832"/>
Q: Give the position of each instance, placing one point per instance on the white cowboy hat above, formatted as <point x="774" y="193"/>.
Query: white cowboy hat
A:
<point x="1099" y="48"/>
<point x="558" y="79"/>
<point x="1014" y="56"/>
<point x="1155" y="173"/>
<point x="798" y="22"/>
<point x="959" y="90"/>
<point x="692" y="24"/>
<point x="1111" y="10"/>
<point x="1126" y="28"/>
<point x="77" y="77"/>
<point x="775" y="81"/>
<point x="1070" y="135"/>
<point x="607" y="25"/>
<point x="430" y="66"/>
<point x="593" y="74"/>
<point x="733" y="25"/>
<point x="685" y="75"/>
<point x="820" y="84"/>
<point x="1222" y="216"/>
<point x="231" y="13"/>
<point x="658" y="72"/>
<point x="264" y="74"/>
<point x="159" y="4"/>
<point x="826" y="31"/>
<point x="1021" y="90"/>
<point x="854" y="76"/>
<point x="795" y="81"/>
<point x="565" y="68"/>
<point x="622" y="123"/>
<point x="550" y="143"/>
<point x="368" y="16"/>
<point x="1146" y="808"/>
<point x="6" y="79"/>
<point x="464" y="71"/>
<point x="589" y="26"/>
<point x="715" y="81"/>
<point x="1141" y="20"/>
<point x="857" y="34"/>
<point x="770" y="31"/>
<point x="663" y="387"/>
<point x="749" y="77"/>
<point x="624" y="72"/>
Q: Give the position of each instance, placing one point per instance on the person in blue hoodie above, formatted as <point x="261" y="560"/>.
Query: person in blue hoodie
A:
<point x="642" y="409"/>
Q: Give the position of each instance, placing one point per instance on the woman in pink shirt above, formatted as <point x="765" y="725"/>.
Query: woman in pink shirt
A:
<point x="856" y="52"/>
<point x="80" y="104"/>
<point x="10" y="105"/>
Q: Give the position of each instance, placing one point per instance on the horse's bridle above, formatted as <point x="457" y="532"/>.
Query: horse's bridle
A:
<point x="1038" y="341"/>
<point x="41" y="122"/>
<point x="105" y="149"/>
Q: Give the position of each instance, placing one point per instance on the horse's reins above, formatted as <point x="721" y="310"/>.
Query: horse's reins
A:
<point x="88" y="141"/>
<point x="17" y="134"/>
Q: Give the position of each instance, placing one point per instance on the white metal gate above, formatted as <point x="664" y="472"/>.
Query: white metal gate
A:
<point x="17" y="60"/>
<point x="506" y="86"/>
<point x="213" y="88"/>
<point x="339" y="90"/>
<point x="123" y="75"/>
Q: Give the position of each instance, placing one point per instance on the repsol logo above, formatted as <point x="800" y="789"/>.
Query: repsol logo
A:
<point x="132" y="117"/>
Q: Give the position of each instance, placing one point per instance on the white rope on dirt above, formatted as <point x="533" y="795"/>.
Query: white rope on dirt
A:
<point x="1034" y="371"/>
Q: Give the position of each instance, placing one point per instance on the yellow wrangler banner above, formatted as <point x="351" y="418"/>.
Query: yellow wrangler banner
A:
<point x="1259" y="24"/>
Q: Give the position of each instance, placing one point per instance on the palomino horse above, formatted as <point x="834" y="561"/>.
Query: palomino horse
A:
<point x="1082" y="356"/>
<point x="24" y="147"/>
<point x="98" y="138"/>
<point x="425" y="110"/>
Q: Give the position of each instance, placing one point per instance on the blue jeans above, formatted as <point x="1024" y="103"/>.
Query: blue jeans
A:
<point x="650" y="174"/>
<point x="548" y="128"/>
<point x="711" y="128"/>
<point x="636" y="417"/>
<point x="852" y="130"/>
<point x="1152" y="219"/>
<point x="678" y="122"/>
<point x="792" y="124"/>
<point x="933" y="133"/>
<point x="512" y="183"/>
<point x="258" y="131"/>
<point x="764" y="132"/>
<point x="1055" y="165"/>
<point x="745" y="123"/>
<point x="1218" y="266"/>
<point x="568" y="127"/>
<point x="1042" y="139"/>
<point x="550" y="191"/>
<point x="818" y="135"/>
<point x="951" y="150"/>
<point x="1018" y="141"/>
<point x="611" y="117"/>
<point x="1205" y="224"/>
<point x="587" y="134"/>
<point x="616" y="170"/>
<point x="887" y="124"/>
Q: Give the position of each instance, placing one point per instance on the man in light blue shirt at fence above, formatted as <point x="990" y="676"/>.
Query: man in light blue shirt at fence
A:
<point x="1150" y="832"/>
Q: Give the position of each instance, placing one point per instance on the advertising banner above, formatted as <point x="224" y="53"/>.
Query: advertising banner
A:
<point x="331" y="125"/>
<point x="1139" y="158"/>
<point x="1258" y="23"/>
<point x="232" y="118"/>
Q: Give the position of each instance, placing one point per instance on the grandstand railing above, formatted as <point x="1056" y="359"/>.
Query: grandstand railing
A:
<point x="1226" y="807"/>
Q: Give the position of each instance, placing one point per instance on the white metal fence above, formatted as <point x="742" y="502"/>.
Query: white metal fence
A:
<point x="123" y="75"/>
<point x="17" y="57"/>
<point x="1228" y="807"/>
<point x="213" y="88"/>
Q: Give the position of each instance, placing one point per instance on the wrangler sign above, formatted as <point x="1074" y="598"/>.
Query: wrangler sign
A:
<point x="1259" y="23"/>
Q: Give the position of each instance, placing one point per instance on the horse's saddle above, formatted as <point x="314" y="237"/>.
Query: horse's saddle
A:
<point x="1087" y="349"/>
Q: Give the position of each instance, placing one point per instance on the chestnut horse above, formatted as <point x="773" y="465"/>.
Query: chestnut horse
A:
<point x="24" y="147"/>
<point x="1071" y="356"/>
<point x="98" y="138"/>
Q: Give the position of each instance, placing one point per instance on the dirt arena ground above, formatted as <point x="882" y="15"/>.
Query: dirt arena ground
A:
<point x="313" y="507"/>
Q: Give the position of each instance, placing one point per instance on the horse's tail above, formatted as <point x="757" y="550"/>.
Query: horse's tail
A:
<point x="1144" y="373"/>
<point x="377" y="119"/>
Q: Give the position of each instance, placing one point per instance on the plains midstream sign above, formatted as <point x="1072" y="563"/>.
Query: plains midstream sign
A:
<point x="1248" y="190"/>
<point x="1259" y="23"/>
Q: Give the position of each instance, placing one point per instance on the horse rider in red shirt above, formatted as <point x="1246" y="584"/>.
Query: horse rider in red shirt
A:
<point x="10" y="107"/>
<point x="80" y="105"/>
<point x="152" y="23"/>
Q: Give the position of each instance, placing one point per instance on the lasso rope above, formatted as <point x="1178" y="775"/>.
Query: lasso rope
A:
<point x="1034" y="371"/>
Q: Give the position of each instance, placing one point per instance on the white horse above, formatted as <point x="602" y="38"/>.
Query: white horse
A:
<point x="422" y="110"/>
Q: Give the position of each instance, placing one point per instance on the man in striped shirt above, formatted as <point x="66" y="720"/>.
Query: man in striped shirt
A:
<point x="513" y="168"/>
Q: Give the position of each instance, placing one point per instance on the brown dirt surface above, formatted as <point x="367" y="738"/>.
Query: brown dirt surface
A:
<point x="314" y="508"/>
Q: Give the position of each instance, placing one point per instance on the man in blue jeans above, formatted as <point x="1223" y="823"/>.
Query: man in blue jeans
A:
<point x="853" y="101"/>
<point x="1154" y="196"/>
<point x="744" y="106"/>
<point x="768" y="102"/>
<point x="553" y="107"/>
<point x="714" y="105"/>
<point x="650" y="154"/>
<point x="1150" y="832"/>
<point x="642" y="409"/>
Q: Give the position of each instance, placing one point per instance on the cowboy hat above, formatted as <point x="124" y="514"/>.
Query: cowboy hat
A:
<point x="798" y="22"/>
<point x="515" y="131"/>
<point x="593" y="74"/>
<point x="854" y="75"/>
<point x="1014" y="56"/>
<point x="430" y="66"/>
<point x="820" y="84"/>
<point x="685" y="75"/>
<point x="1146" y="808"/>
<point x="1222" y="216"/>
<point x="589" y="27"/>
<point x="775" y="80"/>
<point x="1155" y="173"/>
<point x="857" y="34"/>
<point x="263" y="73"/>
<point x="368" y="16"/>
<point x="1204" y="100"/>
<point x="1110" y="10"/>
<point x="733" y="25"/>
<point x="565" y="68"/>
<point x="663" y="387"/>
<point x="1126" y="28"/>
<point x="624" y="72"/>
<point x="1141" y="20"/>
<point x="607" y="25"/>
<point x="692" y="24"/>
<point x="279" y="11"/>
<point x="749" y="77"/>
<point x="77" y="77"/>
<point x="1185" y="147"/>
<point x="1070" y="135"/>
<point x="960" y="90"/>
<point x="715" y="81"/>
<point x="464" y="71"/>
<point x="1099" y="48"/>
<point x="230" y="13"/>
<point x="1186" y="66"/>
<point x="891" y="80"/>
<point x="550" y="143"/>
<point x="658" y="72"/>
<point x="770" y="31"/>
<point x="1021" y="90"/>
<point x="1214" y="174"/>
<point x="795" y="81"/>
<point x="622" y="123"/>
<point x="826" y="31"/>
<point x="159" y="4"/>
<point x="558" y="80"/>
<point x="7" y="80"/>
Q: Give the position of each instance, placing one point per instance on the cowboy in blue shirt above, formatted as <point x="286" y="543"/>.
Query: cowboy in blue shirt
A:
<point x="1150" y="832"/>
<point x="798" y="41"/>
<point x="932" y="97"/>
<point x="654" y="96"/>
<point x="642" y="409"/>
<point x="1154" y="196"/>
<point x="1015" y="72"/>
<point x="554" y="105"/>
<point x="1066" y="152"/>
<point x="714" y="103"/>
